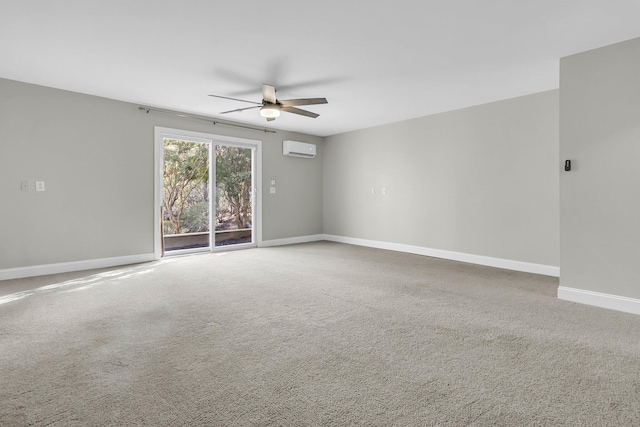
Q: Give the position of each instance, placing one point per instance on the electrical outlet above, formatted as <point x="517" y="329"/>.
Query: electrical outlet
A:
<point x="39" y="185"/>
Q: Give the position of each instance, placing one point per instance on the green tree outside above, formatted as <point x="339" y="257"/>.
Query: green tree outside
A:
<point x="233" y="182"/>
<point x="186" y="187"/>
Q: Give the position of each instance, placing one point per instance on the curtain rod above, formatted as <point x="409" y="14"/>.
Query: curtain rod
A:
<point x="204" y="118"/>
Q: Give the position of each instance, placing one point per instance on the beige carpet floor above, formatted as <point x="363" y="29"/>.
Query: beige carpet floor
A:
<point x="319" y="334"/>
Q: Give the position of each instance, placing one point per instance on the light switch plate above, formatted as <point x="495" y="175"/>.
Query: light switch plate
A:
<point x="272" y="190"/>
<point x="39" y="185"/>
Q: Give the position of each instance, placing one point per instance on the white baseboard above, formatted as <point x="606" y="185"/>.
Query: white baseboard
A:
<point x="527" y="267"/>
<point x="40" y="270"/>
<point x="291" y="240"/>
<point x="598" y="299"/>
<point x="65" y="267"/>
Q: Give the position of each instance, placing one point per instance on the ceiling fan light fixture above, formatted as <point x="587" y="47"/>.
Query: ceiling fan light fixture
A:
<point x="270" y="111"/>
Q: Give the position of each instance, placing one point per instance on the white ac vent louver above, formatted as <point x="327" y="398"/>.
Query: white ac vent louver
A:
<point x="298" y="149"/>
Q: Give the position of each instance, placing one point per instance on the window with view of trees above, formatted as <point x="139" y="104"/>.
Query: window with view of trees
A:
<point x="186" y="198"/>
<point x="233" y="184"/>
<point x="186" y="187"/>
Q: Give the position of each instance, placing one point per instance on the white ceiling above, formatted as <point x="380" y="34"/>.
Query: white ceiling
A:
<point x="376" y="62"/>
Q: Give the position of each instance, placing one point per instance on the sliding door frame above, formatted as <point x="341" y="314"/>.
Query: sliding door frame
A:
<point x="160" y="133"/>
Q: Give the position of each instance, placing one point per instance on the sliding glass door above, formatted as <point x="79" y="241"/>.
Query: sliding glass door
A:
<point x="207" y="192"/>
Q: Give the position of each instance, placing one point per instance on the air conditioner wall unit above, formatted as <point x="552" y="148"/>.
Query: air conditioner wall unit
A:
<point x="298" y="149"/>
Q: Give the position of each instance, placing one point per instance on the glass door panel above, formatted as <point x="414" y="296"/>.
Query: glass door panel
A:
<point x="234" y="201"/>
<point x="186" y="202"/>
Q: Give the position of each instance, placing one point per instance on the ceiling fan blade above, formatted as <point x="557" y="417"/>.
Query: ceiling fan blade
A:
<point x="236" y="99"/>
<point x="305" y="101"/>
<point x="295" y="110"/>
<point x="269" y="93"/>
<point x="241" y="109"/>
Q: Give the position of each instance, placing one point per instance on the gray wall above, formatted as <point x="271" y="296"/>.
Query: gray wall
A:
<point x="96" y="158"/>
<point x="482" y="181"/>
<point x="600" y="197"/>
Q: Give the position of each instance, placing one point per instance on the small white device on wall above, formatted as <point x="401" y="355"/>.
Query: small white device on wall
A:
<point x="298" y="149"/>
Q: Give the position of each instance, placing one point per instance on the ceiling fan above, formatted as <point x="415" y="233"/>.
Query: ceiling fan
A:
<point x="270" y="107"/>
